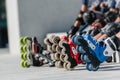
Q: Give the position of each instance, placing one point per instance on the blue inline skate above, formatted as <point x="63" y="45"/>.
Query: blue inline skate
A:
<point x="92" y="52"/>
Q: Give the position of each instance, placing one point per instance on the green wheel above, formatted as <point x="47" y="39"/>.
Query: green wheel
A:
<point x="21" y="48"/>
<point x="25" y="39"/>
<point x="22" y="64"/>
<point x="26" y="64"/>
<point x="25" y="48"/>
<point x="21" y="40"/>
<point x="21" y="56"/>
<point x="25" y="56"/>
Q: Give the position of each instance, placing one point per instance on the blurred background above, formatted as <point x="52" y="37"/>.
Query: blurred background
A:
<point x="3" y="25"/>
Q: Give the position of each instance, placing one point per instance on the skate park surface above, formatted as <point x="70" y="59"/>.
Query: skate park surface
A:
<point x="10" y="69"/>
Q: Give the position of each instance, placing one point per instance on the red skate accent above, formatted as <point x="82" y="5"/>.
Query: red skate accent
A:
<point x="73" y="52"/>
<point x="35" y="48"/>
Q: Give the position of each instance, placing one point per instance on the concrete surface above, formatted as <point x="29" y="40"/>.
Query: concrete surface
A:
<point x="11" y="70"/>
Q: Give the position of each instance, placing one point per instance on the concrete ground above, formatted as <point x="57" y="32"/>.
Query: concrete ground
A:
<point x="10" y="69"/>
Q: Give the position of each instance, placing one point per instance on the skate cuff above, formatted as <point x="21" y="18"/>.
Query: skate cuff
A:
<point x="79" y="19"/>
<point x="81" y="12"/>
<point x="73" y="30"/>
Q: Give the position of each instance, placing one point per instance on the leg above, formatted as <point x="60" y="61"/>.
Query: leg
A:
<point x="79" y="19"/>
<point x="103" y="37"/>
<point x="108" y="31"/>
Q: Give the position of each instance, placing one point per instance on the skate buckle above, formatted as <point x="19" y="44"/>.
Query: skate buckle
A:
<point x="74" y="50"/>
<point x="91" y="45"/>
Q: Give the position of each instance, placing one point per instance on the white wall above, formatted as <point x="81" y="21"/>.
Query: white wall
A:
<point x="39" y="17"/>
<point x="13" y="26"/>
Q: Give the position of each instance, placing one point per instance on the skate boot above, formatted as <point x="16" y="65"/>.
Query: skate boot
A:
<point x="55" y="50"/>
<point x="64" y="52"/>
<point x="93" y="52"/>
<point x="35" y="55"/>
<point x="26" y="53"/>
<point x="40" y="53"/>
<point x="69" y="55"/>
<point x="51" y="47"/>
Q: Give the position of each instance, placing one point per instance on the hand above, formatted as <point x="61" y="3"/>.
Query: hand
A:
<point x="96" y="25"/>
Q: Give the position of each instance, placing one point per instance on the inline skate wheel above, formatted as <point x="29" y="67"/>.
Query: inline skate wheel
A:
<point x="77" y="39"/>
<point x="47" y="42"/>
<point x="59" y="64"/>
<point x="22" y="64"/>
<point x="85" y="58"/>
<point x="25" y="56"/>
<point x="56" y="40"/>
<point x="66" y="58"/>
<point x="62" y="57"/>
<point x="80" y="49"/>
<point x="64" y="65"/>
<point x="54" y="48"/>
<point x="21" y="56"/>
<point x="67" y="66"/>
<point x="56" y="64"/>
<point x="49" y="48"/>
<point x="25" y="39"/>
<point x="58" y="49"/>
<point x="62" y="43"/>
<point x="57" y="56"/>
<point x="51" y="38"/>
<point x="52" y="56"/>
<point x="25" y="48"/>
<point x="91" y="67"/>
<point x="21" y="40"/>
<point x="65" y="47"/>
<point x="21" y="48"/>
<point x="26" y="64"/>
<point x="64" y="52"/>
